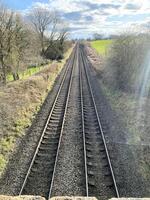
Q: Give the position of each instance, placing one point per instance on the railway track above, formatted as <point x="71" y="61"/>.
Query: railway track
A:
<point x="98" y="177"/>
<point x="40" y="175"/>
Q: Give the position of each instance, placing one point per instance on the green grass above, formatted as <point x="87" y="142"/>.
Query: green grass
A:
<point x="101" y="46"/>
<point x="28" y="72"/>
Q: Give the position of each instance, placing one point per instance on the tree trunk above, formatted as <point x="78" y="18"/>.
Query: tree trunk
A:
<point x="15" y="76"/>
<point x="42" y="43"/>
<point x="3" y="71"/>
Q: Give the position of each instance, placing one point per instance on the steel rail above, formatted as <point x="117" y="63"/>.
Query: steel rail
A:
<point x="84" y="59"/>
<point x="83" y="132"/>
<point x="72" y="56"/>
<point x="62" y="128"/>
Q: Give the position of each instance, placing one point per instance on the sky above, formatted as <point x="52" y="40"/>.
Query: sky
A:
<point x="87" y="17"/>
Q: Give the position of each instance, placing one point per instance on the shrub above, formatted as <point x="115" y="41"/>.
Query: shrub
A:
<point x="54" y="51"/>
<point x="125" y="59"/>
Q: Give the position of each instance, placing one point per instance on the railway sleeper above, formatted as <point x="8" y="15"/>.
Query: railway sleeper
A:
<point x="47" y="150"/>
<point x="92" y="130"/>
<point x="105" y="164"/>
<point x="91" y="164"/>
<point x="102" y="149"/>
<point x="47" y="155"/>
<point x="53" y="127"/>
<point x="91" y="173"/>
<point x="89" y="110"/>
<point x="104" y="156"/>
<point x="34" y="171"/>
<point x="89" y="155"/>
<point x="93" y="120"/>
<point x="59" y="108"/>
<point x="53" y="131"/>
<point x="91" y="183"/>
<point x="88" y="149"/>
<point x="57" y="115"/>
<point x="46" y="162"/>
<point x="88" y="135"/>
<point x="89" y="113"/>
<point x="55" y="118"/>
<point x="107" y="174"/>
<point x="31" y="186"/>
<point x="39" y="164"/>
<point x="50" y="140"/>
<point x="58" y="112"/>
<point x="90" y="143"/>
<point x="50" y="135"/>
<point x="93" y="143"/>
<point x="44" y="167"/>
<point x="110" y="184"/>
<point x="48" y="147"/>
<point x="91" y="124"/>
<point x="88" y="116"/>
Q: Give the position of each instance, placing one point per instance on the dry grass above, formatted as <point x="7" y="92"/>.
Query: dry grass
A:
<point x="19" y="102"/>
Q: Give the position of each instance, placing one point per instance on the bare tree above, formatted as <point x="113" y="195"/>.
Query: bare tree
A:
<point x="63" y="33"/>
<point x="52" y="32"/>
<point x="13" y="42"/>
<point x="18" y="45"/>
<point x="6" y="30"/>
<point x="41" y="19"/>
<point x="56" y="45"/>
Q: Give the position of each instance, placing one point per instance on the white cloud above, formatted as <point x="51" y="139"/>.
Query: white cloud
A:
<point x="90" y="16"/>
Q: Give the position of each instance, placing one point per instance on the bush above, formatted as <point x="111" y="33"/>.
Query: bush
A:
<point x="54" y="51"/>
<point x="125" y="59"/>
<point x="57" y="49"/>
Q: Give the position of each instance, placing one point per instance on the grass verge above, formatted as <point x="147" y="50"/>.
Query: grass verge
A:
<point x="136" y="123"/>
<point x="27" y="73"/>
<point x="125" y="106"/>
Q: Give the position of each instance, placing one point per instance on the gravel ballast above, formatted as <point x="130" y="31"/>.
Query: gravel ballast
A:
<point x="69" y="179"/>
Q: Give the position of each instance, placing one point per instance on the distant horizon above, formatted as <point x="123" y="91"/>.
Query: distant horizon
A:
<point x="87" y="17"/>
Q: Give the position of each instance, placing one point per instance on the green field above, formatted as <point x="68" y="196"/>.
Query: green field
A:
<point x="101" y="46"/>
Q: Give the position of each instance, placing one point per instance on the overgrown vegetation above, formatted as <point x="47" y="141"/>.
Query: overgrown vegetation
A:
<point x="125" y="61"/>
<point x="19" y="40"/>
<point x="123" y="76"/>
<point x="125" y="80"/>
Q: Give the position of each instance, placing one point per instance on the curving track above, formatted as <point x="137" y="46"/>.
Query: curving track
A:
<point x="98" y="177"/>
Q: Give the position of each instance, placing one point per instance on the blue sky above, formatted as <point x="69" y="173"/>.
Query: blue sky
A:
<point x="86" y="17"/>
<point x="22" y="4"/>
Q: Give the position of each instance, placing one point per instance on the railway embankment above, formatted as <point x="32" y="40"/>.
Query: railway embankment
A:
<point x="20" y="101"/>
<point x="128" y="131"/>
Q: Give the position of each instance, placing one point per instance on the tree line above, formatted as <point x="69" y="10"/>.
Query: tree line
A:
<point x="30" y="40"/>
